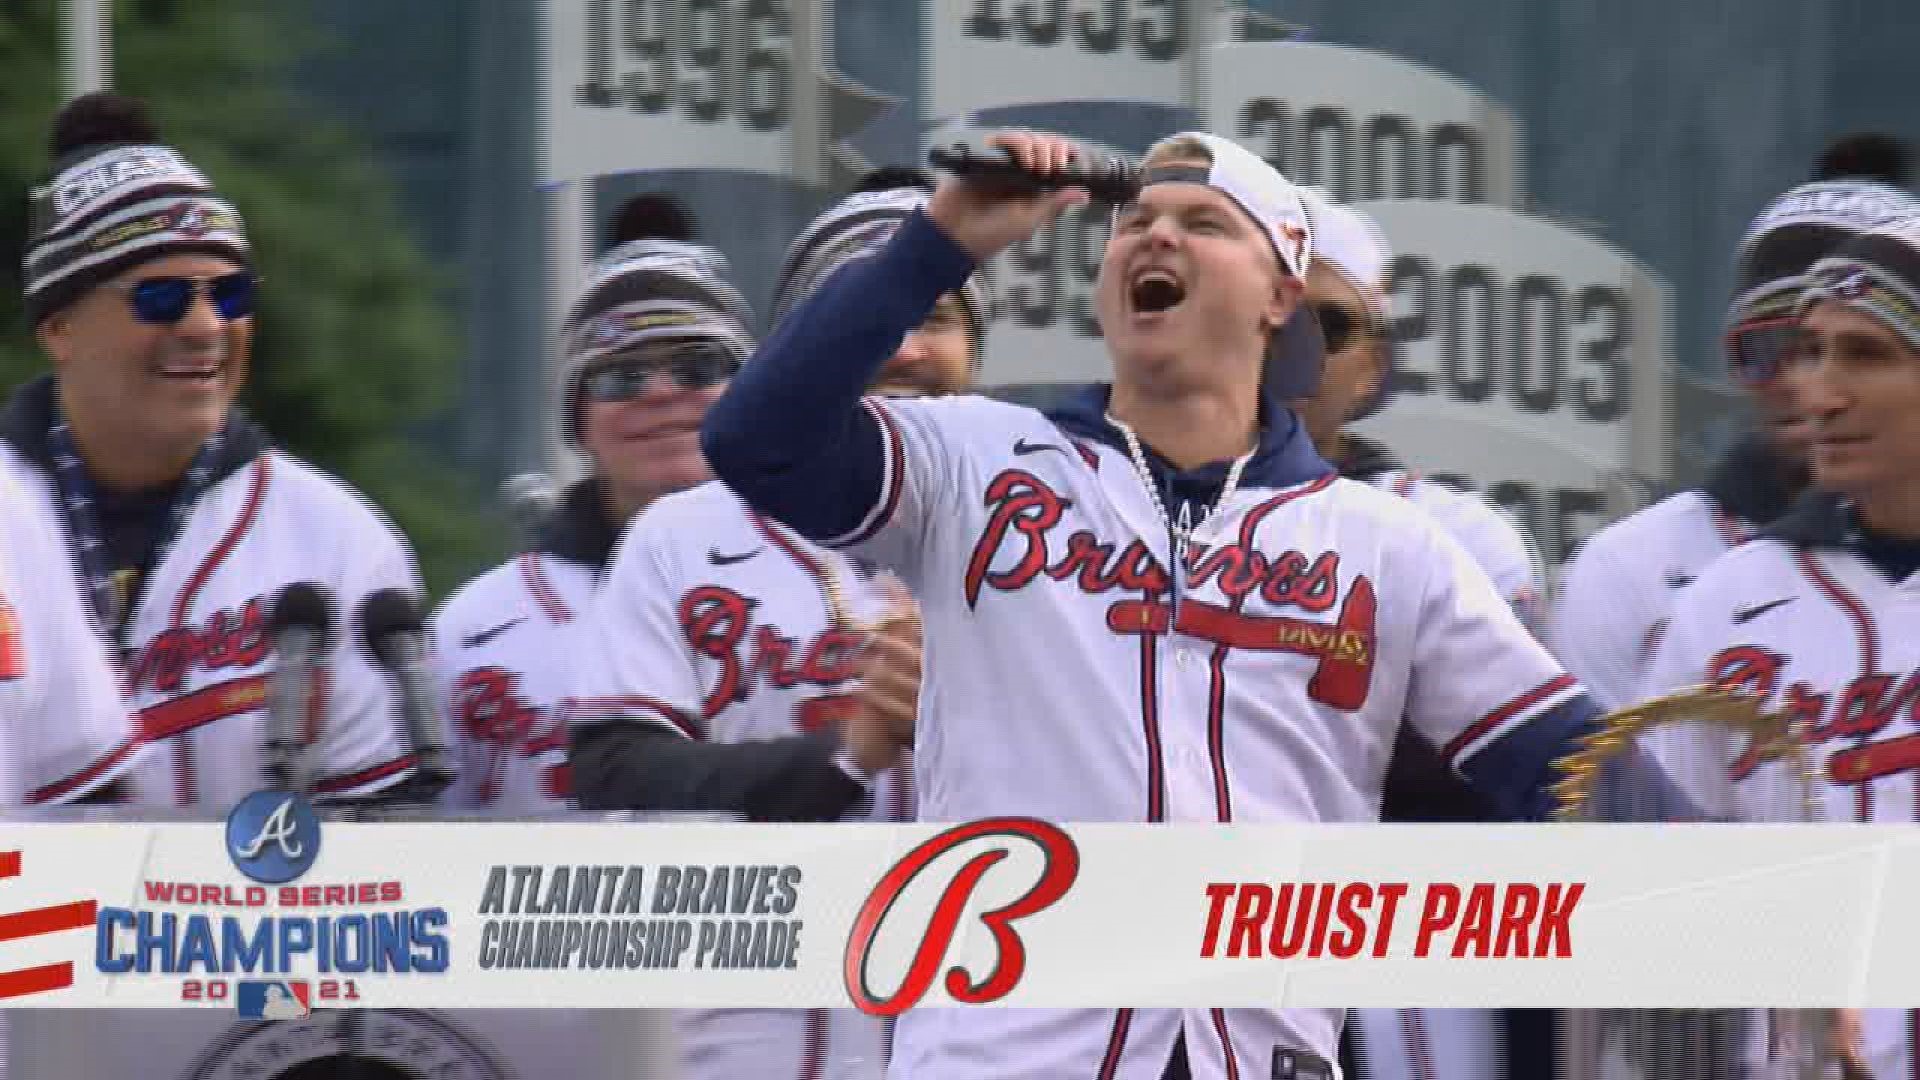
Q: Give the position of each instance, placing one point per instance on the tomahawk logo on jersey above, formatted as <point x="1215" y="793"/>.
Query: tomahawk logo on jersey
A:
<point x="715" y="622"/>
<point x="67" y="731"/>
<point x="197" y="659"/>
<point x="505" y="640"/>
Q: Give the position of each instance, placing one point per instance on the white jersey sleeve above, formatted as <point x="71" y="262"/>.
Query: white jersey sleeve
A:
<point x="1470" y="653"/>
<point x="631" y="662"/>
<point x="1489" y="534"/>
<point x="920" y="475"/>
<point x="67" y="728"/>
<point x="361" y="746"/>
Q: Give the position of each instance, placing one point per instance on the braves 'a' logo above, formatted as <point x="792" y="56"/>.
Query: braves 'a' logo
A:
<point x="1019" y="546"/>
<point x="1061" y="866"/>
<point x="228" y="639"/>
<point x="498" y="720"/>
<point x="718" y="623"/>
<point x="1859" y="710"/>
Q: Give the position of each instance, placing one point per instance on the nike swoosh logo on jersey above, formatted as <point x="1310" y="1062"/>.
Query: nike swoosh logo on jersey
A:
<point x="1678" y="580"/>
<point x="1748" y="614"/>
<point x="481" y="637"/>
<point x="1023" y="447"/>
<point x="715" y="557"/>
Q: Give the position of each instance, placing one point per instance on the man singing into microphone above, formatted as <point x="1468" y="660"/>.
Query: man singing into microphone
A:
<point x="184" y="523"/>
<point x="1157" y="603"/>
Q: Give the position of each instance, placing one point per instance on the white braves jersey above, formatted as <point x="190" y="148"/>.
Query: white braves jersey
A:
<point x="64" y="729"/>
<point x="714" y="621"/>
<point x="1616" y="592"/>
<point x="1488" y="533"/>
<point x="1068" y="677"/>
<point x="504" y="641"/>
<point x="199" y="659"/>
<point x="1430" y="1044"/>
<point x="1824" y="637"/>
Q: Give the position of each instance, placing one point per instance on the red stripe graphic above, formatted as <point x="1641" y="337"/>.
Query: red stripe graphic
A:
<point x="46" y="920"/>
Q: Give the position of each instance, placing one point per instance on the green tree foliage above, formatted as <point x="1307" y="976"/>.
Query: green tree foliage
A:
<point x="354" y="347"/>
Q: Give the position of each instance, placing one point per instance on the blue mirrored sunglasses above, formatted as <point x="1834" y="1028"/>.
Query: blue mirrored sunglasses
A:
<point x="163" y="301"/>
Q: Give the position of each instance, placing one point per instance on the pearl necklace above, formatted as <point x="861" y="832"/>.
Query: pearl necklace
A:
<point x="1182" y="529"/>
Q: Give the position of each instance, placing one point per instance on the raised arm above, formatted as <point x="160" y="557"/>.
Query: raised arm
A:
<point x="790" y="436"/>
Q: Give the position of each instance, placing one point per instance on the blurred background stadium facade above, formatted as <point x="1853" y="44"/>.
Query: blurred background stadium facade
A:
<point x="393" y="158"/>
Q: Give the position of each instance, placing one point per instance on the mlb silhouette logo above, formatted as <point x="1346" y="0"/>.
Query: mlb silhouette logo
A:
<point x="287" y="999"/>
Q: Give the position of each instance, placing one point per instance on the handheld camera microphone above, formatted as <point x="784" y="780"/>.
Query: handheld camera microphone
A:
<point x="1107" y="178"/>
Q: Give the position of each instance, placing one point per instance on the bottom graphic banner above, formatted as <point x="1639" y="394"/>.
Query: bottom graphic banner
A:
<point x="276" y="914"/>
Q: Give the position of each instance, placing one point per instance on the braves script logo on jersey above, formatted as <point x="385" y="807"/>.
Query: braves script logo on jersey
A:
<point x="489" y="707"/>
<point x="1026" y="513"/>
<point x="1860" y="710"/>
<point x="718" y="623"/>
<point x="1060" y="867"/>
<point x="228" y="639"/>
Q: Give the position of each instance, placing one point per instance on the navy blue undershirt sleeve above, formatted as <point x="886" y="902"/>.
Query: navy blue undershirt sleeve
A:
<point x="790" y="435"/>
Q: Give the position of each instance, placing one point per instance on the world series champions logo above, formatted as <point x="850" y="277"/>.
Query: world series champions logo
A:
<point x="1060" y="868"/>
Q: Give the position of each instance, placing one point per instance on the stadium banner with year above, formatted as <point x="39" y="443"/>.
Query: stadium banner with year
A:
<point x="1364" y="125"/>
<point x="278" y="914"/>
<point x="1531" y="363"/>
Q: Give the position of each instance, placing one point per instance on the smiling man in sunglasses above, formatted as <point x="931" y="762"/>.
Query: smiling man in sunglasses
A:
<point x="654" y="337"/>
<point x="182" y="521"/>
<point x="1616" y="593"/>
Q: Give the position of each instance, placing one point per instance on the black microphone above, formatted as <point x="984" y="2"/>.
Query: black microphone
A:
<point x="1108" y="178"/>
<point x="301" y="631"/>
<point x="394" y="631"/>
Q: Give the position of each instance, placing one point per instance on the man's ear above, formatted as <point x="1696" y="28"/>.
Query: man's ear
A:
<point x="54" y="333"/>
<point x="1289" y="293"/>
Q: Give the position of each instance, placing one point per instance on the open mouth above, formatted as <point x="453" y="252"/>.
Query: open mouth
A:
<point x="187" y="370"/>
<point x="1155" y="290"/>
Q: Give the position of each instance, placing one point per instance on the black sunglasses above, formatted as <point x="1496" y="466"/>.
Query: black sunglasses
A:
<point x="163" y="301"/>
<point x="692" y="367"/>
<point x="1341" y="326"/>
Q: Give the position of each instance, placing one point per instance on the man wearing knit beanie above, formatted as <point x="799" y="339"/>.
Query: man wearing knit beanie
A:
<point x="943" y="355"/>
<point x="1616" y="592"/>
<point x="1825" y="592"/>
<point x="182" y="522"/>
<point x="733" y="667"/>
<point x="651" y="341"/>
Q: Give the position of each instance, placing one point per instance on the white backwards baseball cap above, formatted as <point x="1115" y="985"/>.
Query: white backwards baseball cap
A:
<point x="1269" y="198"/>
<point x="1352" y="244"/>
